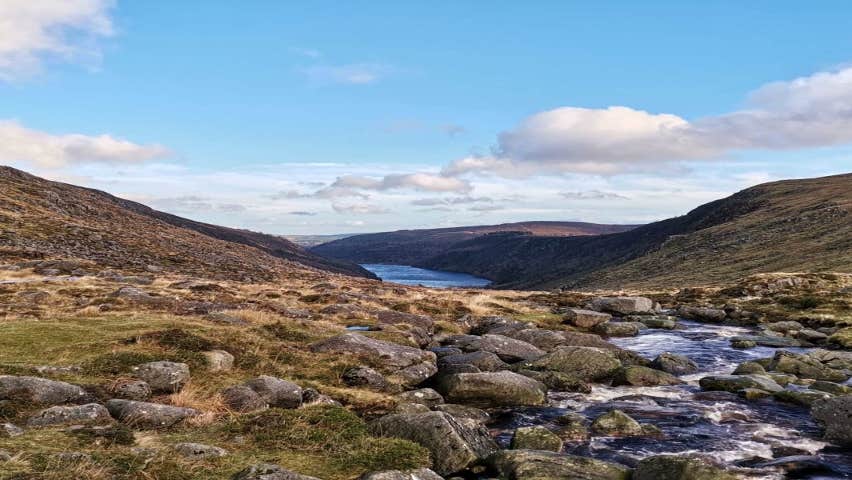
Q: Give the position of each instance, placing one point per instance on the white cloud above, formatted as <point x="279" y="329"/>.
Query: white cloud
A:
<point x="34" y="30"/>
<point x="426" y="182"/>
<point x="21" y="144"/>
<point x="359" y="208"/>
<point x="351" y="74"/>
<point x="425" y="202"/>
<point x="592" y="195"/>
<point x="814" y="111"/>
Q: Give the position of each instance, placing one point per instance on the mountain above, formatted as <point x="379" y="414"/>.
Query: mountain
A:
<point x="308" y="241"/>
<point x="51" y="218"/>
<point x="417" y="247"/>
<point x="791" y="225"/>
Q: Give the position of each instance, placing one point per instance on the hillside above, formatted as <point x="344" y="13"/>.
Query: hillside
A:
<point x="56" y="219"/>
<point x="792" y="225"/>
<point x="417" y="247"/>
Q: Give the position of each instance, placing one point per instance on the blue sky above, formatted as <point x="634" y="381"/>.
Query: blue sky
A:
<point x="317" y="117"/>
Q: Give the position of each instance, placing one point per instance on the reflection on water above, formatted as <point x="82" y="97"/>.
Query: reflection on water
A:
<point x="408" y="275"/>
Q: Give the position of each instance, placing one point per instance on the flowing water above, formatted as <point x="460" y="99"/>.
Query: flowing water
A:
<point x="408" y="275"/>
<point x="733" y="430"/>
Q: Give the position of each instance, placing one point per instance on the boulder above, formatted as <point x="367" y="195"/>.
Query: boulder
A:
<point x="743" y="344"/>
<point x="619" y="329"/>
<point x="421" y="474"/>
<point x="702" y="314"/>
<point x="392" y="317"/>
<point x="484" y="361"/>
<point x="164" y="377"/>
<point x="638" y="376"/>
<point x="747" y="341"/>
<point x="734" y="383"/>
<point x="219" y="360"/>
<point x="784" y="327"/>
<point x="573" y="427"/>
<point x="453" y="445"/>
<point x="546" y="340"/>
<point x="311" y="396"/>
<point x="241" y="398"/>
<point x="39" y="391"/>
<point x="492" y="389"/>
<point x="832" y="358"/>
<point x="199" y="451"/>
<point x="276" y="392"/>
<point x="269" y="471"/>
<point x="407" y="365"/>
<point x="498" y="325"/>
<point x="679" y="467"/>
<point x="583" y="363"/>
<point x="805" y="397"/>
<point x="558" y="381"/>
<point x="535" y="438"/>
<point x="804" y="366"/>
<point x="540" y="465"/>
<point x="750" y="368"/>
<point x="90" y="413"/>
<point x="423" y="396"/>
<point x="664" y="322"/>
<point x="148" y="415"/>
<point x="131" y="389"/>
<point x="507" y="348"/>
<point x="831" y="387"/>
<point x="835" y="414"/>
<point x="674" y="364"/>
<point x="616" y="423"/>
<point x="623" y="305"/>
<point x="585" y="318"/>
<point x="470" y="416"/>
<point x="10" y="430"/>
<point x="363" y="376"/>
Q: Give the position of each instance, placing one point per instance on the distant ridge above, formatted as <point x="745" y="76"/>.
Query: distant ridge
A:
<point x="59" y="219"/>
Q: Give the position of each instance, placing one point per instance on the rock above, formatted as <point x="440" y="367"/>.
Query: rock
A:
<point x="753" y="394"/>
<point x="734" y="383"/>
<point x="764" y="340"/>
<point x="811" y="336"/>
<point x="10" y="430"/>
<point x="268" y="471"/>
<point x="492" y="389"/>
<point x="750" y="368"/>
<point x="784" y="327"/>
<point x="835" y="414"/>
<point x="539" y="465"/>
<point x="442" y="352"/>
<point x="241" y="398"/>
<point x="421" y="474"/>
<point x="423" y="396"/>
<point x="623" y="305"/>
<point x="573" y="427"/>
<point x="508" y="349"/>
<point x="71" y="458"/>
<point x="643" y="377"/>
<point x="219" y="360"/>
<point x="408" y="365"/>
<point x="702" y="314"/>
<point x="800" y="466"/>
<point x="5" y="456"/>
<point x="664" y="322"/>
<point x="408" y="407"/>
<point x="148" y="415"/>
<point x="584" y="363"/>
<point x="805" y="397"/>
<point x="558" y="381"/>
<point x="89" y="413"/>
<point x="131" y="389"/>
<point x="39" y="391"/>
<point x="165" y="377"/>
<point x="276" y="392"/>
<point x="453" y="445"/>
<point x="496" y="324"/>
<point x="199" y="451"/>
<point x="616" y="423"/>
<point x="362" y="376"/>
<point x="619" y="329"/>
<point x="484" y="361"/>
<point x="470" y="416"/>
<point x="311" y="396"/>
<point x="842" y="337"/>
<point x="546" y="340"/>
<point x="585" y="318"/>
<point x="674" y="364"/>
<point x="830" y="387"/>
<point x="832" y="358"/>
<point x="679" y="467"/>
<point x="743" y="344"/>
<point x="392" y="317"/>
<point x="535" y="438"/>
<point x="224" y="318"/>
<point x="804" y="366"/>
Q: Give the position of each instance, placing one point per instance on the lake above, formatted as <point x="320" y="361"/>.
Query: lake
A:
<point x="408" y="275"/>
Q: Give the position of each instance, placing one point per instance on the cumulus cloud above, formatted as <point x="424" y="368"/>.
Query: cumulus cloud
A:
<point x="426" y="202"/>
<point x="593" y="195"/>
<point x="812" y="111"/>
<point x="426" y="182"/>
<point x="351" y="74"/>
<point x="302" y="213"/>
<point x="359" y="208"/>
<point x="195" y="204"/>
<point x="21" y="144"/>
<point x="34" y="30"/>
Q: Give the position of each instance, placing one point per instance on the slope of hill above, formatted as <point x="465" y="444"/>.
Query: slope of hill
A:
<point x="309" y="241"/>
<point x="792" y="225"/>
<point x="58" y="219"/>
<point x="417" y="247"/>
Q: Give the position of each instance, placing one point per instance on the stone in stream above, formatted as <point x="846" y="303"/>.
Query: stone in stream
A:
<point x="702" y="314"/>
<point x="39" y="391"/>
<point x="785" y="326"/>
<point x="674" y="364"/>
<point x="163" y="377"/>
<point x="679" y="467"/>
<point x="535" y="438"/>
<point x="421" y="474"/>
<point x="541" y="465"/>
<point x="835" y="414"/>
<point x="470" y="416"/>
<point x="585" y="318"/>
<point x="453" y="445"/>
<point x="664" y="322"/>
<point x="558" y="381"/>
<point x="492" y="389"/>
<point x="573" y="427"/>
<point x="800" y="466"/>
<point x="619" y="329"/>
<point x="269" y="471"/>
<point x="804" y="366"/>
<point x="508" y="349"/>
<point x="830" y="387"/>
<point x="148" y="415"/>
<point x="616" y="423"/>
<point x="90" y="413"/>
<point x="743" y="344"/>
<point x="805" y="397"/>
<point x="763" y="340"/>
<point x="750" y="368"/>
<point x="546" y="340"/>
<point x="734" y="383"/>
<point x="643" y="377"/>
<point x="623" y="305"/>
<point x="832" y="358"/>
<point x="484" y="361"/>
<point x="583" y="363"/>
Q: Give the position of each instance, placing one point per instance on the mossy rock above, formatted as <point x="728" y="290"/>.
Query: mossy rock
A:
<point x="536" y="438"/>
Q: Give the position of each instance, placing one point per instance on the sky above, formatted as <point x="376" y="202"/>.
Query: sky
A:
<point x="344" y="117"/>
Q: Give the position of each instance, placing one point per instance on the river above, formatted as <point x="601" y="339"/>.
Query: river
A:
<point x="408" y="275"/>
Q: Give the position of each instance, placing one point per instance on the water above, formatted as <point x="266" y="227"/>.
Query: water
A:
<point x="408" y="275"/>
<point x="733" y="430"/>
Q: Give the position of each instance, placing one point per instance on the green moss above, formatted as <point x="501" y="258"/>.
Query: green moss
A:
<point x="286" y="333"/>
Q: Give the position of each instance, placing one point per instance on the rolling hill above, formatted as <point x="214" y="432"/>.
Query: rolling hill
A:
<point x="417" y="247"/>
<point x="41" y="217"/>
